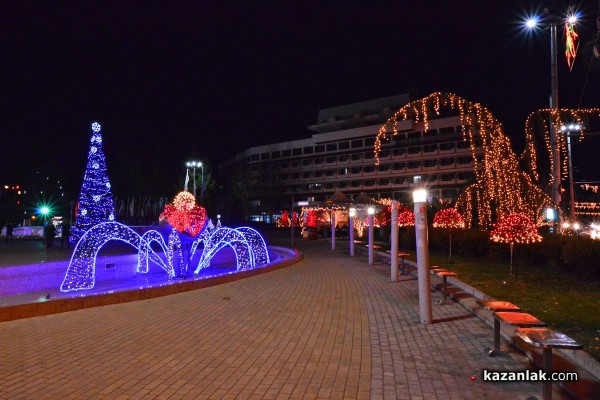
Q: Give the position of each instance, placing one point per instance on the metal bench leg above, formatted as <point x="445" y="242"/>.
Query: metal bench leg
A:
<point x="548" y="369"/>
<point x="445" y="286"/>
<point x="444" y="291"/>
<point x="496" y="348"/>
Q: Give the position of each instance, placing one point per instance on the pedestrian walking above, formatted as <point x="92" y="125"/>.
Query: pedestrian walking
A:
<point x="66" y="232"/>
<point x="49" y="233"/>
<point x="9" y="232"/>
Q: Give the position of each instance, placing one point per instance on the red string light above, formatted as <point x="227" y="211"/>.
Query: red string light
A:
<point x="500" y="186"/>
<point x="448" y="218"/>
<point x="515" y="228"/>
<point x="185" y="215"/>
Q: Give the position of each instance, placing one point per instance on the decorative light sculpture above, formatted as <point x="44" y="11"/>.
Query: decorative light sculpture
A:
<point x="571" y="41"/>
<point x="500" y="187"/>
<point x="448" y="218"/>
<point x="81" y="273"/>
<point x="515" y="228"/>
<point x="95" y="199"/>
<point x="185" y="215"/>
<point x="538" y="130"/>
<point x="248" y="245"/>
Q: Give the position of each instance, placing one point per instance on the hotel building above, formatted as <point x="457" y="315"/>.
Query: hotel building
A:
<point x="339" y="155"/>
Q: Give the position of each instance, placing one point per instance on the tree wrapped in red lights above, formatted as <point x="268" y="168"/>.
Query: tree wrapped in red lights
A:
<point x="311" y="219"/>
<point x="184" y="215"/>
<point x="515" y="228"/>
<point x="406" y="217"/>
<point x="283" y="221"/>
<point x="449" y="218"/>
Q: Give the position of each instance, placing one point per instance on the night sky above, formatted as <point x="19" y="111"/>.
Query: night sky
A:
<point x="174" y="80"/>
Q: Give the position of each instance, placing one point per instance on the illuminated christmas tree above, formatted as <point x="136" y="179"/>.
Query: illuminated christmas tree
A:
<point x="95" y="200"/>
<point x="515" y="228"/>
<point x="448" y="218"/>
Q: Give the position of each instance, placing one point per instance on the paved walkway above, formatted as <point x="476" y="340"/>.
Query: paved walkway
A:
<point x="327" y="327"/>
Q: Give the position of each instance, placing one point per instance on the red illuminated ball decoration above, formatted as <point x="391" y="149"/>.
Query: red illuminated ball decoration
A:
<point x="185" y="215"/>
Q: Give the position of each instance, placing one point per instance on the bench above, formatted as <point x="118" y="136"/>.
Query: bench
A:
<point x="511" y="318"/>
<point x="444" y="275"/>
<point x="495" y="305"/>
<point x="402" y="264"/>
<point x="547" y="340"/>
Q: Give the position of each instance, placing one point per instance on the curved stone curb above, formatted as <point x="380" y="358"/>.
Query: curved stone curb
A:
<point x="20" y="311"/>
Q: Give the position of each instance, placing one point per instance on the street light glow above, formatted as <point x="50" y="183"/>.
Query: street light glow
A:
<point x="193" y="164"/>
<point x="531" y="22"/>
<point x="572" y="19"/>
<point x="420" y="196"/>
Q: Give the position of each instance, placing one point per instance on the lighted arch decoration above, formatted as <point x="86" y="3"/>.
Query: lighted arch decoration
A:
<point x="82" y="267"/>
<point x="249" y="247"/>
<point x="540" y="122"/>
<point x="146" y="253"/>
<point x="247" y="244"/>
<point x="500" y="187"/>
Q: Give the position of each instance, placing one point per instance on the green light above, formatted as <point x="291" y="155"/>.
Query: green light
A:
<point x="44" y="210"/>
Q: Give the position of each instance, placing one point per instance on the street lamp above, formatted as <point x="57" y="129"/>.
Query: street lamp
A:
<point x="567" y="130"/>
<point x="576" y="227"/>
<point x="194" y="165"/>
<point x="352" y="214"/>
<point x="420" y="199"/>
<point x="394" y="242"/>
<point x="371" y="213"/>
<point x="532" y="23"/>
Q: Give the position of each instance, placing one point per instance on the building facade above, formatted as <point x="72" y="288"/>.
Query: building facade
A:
<point x="339" y="155"/>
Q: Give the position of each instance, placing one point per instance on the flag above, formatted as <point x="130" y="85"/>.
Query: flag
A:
<point x="131" y="207"/>
<point x="121" y="207"/>
<point x="187" y="180"/>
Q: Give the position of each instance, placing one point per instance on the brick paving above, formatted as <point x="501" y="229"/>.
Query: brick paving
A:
<point x="329" y="327"/>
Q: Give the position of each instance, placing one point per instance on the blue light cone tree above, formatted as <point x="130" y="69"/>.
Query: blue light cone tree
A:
<point x="95" y="200"/>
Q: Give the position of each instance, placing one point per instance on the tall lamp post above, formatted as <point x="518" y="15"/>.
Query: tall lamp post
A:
<point x="569" y="130"/>
<point x="194" y="165"/>
<point x="420" y="199"/>
<point x="352" y="214"/>
<point x="371" y="213"/>
<point x="532" y="23"/>
<point x="394" y="242"/>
